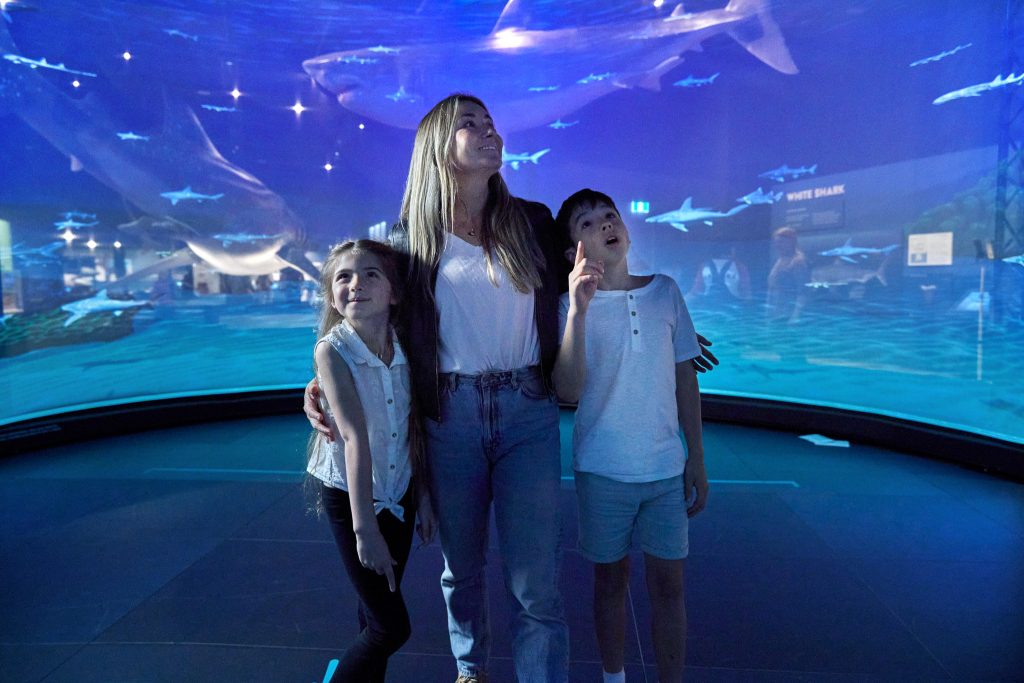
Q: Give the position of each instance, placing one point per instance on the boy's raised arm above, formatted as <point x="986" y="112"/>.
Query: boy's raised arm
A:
<point x="570" y="371"/>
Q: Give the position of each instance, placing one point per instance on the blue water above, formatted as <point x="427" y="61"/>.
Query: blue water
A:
<point x="835" y="95"/>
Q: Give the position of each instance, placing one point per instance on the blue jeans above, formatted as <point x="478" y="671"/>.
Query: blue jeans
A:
<point x="498" y="440"/>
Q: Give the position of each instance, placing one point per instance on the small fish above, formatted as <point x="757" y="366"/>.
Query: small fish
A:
<point x="214" y="107"/>
<point x="560" y="125"/>
<point x="941" y="55"/>
<point x="384" y="50"/>
<point x="1018" y="259"/>
<point x="402" y="96"/>
<point x="976" y="90"/>
<point x="70" y="224"/>
<point x="43" y="64"/>
<point x="594" y="78"/>
<point x="514" y="160"/>
<point x="187" y="193"/>
<point x="180" y="34"/>
<point x="543" y="88"/>
<point x="779" y="174"/>
<point x="133" y="136"/>
<point x="68" y="215"/>
<point x="356" y="59"/>
<point x="848" y="251"/>
<point x="691" y="82"/>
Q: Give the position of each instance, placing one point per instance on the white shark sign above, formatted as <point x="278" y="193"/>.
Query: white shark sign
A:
<point x="529" y="78"/>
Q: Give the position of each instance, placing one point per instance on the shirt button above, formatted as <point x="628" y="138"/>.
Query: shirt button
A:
<point x="394" y="435"/>
<point x="630" y="297"/>
<point x="636" y="331"/>
<point x="390" y="401"/>
<point x="632" y="312"/>
<point x="392" y="467"/>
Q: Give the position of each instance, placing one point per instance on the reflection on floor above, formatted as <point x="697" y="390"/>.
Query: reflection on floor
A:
<point x="186" y="555"/>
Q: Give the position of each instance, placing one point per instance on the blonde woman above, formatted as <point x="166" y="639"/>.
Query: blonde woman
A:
<point x="484" y="279"/>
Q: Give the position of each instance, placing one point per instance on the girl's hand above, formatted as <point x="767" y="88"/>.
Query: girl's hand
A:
<point x="426" y="527"/>
<point x="311" y="406"/>
<point x="583" y="280"/>
<point x="374" y="555"/>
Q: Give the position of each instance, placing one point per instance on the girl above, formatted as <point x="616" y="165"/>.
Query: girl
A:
<point x="366" y="469"/>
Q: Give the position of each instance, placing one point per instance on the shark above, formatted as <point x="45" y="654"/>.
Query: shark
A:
<point x="942" y="55"/>
<point x="691" y="82"/>
<point x="178" y="154"/>
<point x="530" y="77"/>
<point x="759" y="196"/>
<point x="976" y="90"/>
<point x="72" y="224"/>
<point x="514" y="160"/>
<point x="848" y="251"/>
<point x="78" y="214"/>
<point x="687" y="214"/>
<point x="561" y="125"/>
<point x="187" y="194"/>
<point x="214" y="107"/>
<point x="133" y="136"/>
<point x="28" y="256"/>
<point x="43" y="64"/>
<point x="1018" y="259"/>
<point x="98" y="303"/>
<point x="173" y="32"/>
<point x="779" y="174"/>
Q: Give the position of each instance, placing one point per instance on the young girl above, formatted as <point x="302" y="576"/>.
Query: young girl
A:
<point x="366" y="470"/>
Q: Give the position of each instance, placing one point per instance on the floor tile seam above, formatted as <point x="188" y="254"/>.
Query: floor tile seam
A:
<point x="907" y="627"/>
<point x="219" y="542"/>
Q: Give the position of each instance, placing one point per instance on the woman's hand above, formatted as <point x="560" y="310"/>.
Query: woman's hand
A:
<point x="702" y="363"/>
<point x="426" y="525"/>
<point x="311" y="406"/>
<point x="583" y="280"/>
<point x="374" y="555"/>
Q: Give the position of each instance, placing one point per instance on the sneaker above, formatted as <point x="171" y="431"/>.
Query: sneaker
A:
<point x="478" y="677"/>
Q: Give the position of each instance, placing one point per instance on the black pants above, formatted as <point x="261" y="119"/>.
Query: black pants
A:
<point x="383" y="618"/>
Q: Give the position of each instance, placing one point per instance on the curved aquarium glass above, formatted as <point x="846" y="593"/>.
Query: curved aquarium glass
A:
<point x="834" y="184"/>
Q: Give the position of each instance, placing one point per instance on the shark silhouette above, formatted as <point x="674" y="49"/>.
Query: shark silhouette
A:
<point x="179" y="155"/>
<point x="504" y="67"/>
<point x="687" y="213"/>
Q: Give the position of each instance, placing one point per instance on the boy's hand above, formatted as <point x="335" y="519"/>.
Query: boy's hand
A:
<point x="695" y="483"/>
<point x="311" y="406"/>
<point x="583" y="280"/>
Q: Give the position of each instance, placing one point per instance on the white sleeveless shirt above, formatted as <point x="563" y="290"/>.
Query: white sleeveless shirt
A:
<point x="384" y="394"/>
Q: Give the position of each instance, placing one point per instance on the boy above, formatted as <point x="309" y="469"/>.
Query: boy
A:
<point x="625" y="357"/>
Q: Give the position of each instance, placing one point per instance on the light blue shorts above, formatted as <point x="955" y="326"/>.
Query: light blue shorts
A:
<point x="610" y="510"/>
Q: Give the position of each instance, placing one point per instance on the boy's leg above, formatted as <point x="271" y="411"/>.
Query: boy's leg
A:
<point x="611" y="580"/>
<point x="663" y="530"/>
<point x="668" y="616"/>
<point x="607" y="512"/>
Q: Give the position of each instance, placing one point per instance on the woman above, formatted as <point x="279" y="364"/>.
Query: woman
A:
<point x="484" y="280"/>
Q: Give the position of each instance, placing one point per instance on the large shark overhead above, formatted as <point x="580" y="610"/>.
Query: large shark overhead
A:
<point x="180" y="155"/>
<point x="529" y="78"/>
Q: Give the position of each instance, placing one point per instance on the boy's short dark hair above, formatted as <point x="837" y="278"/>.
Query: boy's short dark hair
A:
<point x="584" y="197"/>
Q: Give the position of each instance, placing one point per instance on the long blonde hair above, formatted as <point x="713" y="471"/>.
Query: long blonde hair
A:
<point x="428" y="206"/>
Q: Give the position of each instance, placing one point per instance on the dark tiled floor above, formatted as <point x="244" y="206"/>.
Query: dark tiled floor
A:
<point x="187" y="555"/>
